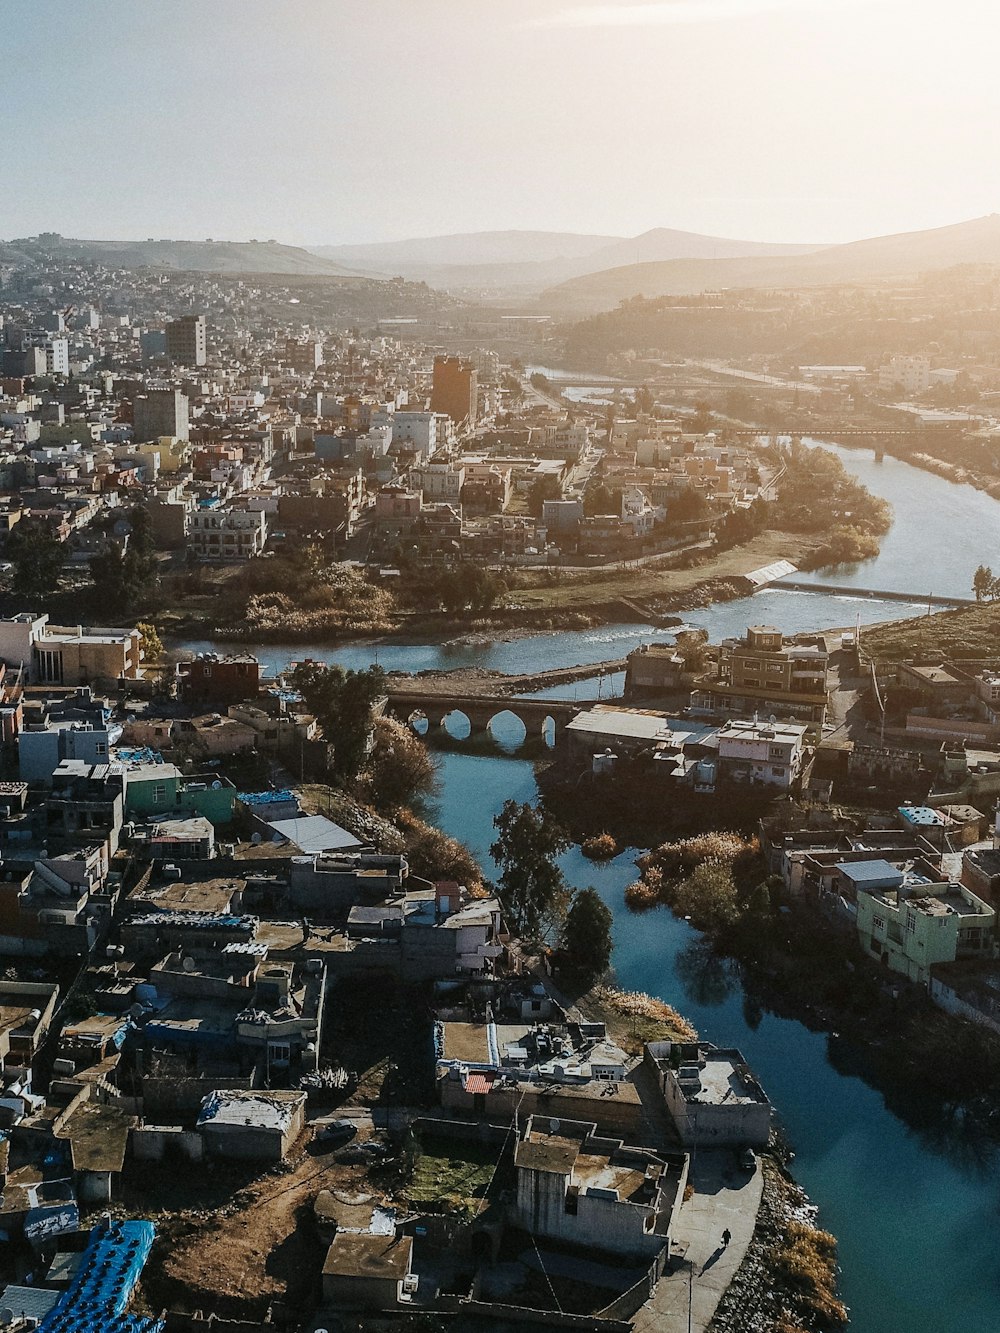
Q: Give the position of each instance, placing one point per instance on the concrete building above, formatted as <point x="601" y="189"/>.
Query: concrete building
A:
<point x="367" y="1272"/>
<point x="761" y="752"/>
<point x="578" y="1188"/>
<point x="209" y="679"/>
<point x="255" y="1126"/>
<point x="912" y="925"/>
<point x="69" y="654"/>
<point x="160" y="412"/>
<point x="305" y="355"/>
<point x="907" y="374"/>
<point x="714" y="1099"/>
<point x="454" y="391"/>
<point x="761" y="673"/>
<point x="227" y="534"/>
<point x="187" y="341"/>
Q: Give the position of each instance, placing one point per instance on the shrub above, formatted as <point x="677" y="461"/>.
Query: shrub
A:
<point x="640" y="896"/>
<point x="602" y="847"/>
<point x="807" y="1261"/>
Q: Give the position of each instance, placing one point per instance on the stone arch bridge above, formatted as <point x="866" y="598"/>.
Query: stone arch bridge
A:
<point x="481" y="709"/>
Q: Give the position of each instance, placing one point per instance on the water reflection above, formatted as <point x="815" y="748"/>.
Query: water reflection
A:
<point x="707" y="980"/>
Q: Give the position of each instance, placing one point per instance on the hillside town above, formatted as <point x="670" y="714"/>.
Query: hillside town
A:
<point x="265" y="1057"/>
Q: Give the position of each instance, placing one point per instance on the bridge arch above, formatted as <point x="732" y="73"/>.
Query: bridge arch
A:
<point x="457" y="724"/>
<point x="507" y="729"/>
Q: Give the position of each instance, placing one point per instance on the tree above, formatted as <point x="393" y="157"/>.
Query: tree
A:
<point x="692" y="645"/>
<point x="343" y="703"/>
<point x="708" y="897"/>
<point x="124" y="576"/>
<point x="532" y="887"/>
<point x="586" y="935"/>
<point x="37" y="556"/>
<point x="547" y="487"/>
<point x="399" y="768"/>
<point x="982" y="583"/>
<point x="602" y="500"/>
<point x="687" y="505"/>
<point x="702" y="421"/>
<point x="149" y="641"/>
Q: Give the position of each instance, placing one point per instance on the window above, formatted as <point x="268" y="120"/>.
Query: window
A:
<point x="159" y="793"/>
<point x="911" y="922"/>
<point x="101" y="747"/>
<point x="777" y="772"/>
<point x="878" y="923"/>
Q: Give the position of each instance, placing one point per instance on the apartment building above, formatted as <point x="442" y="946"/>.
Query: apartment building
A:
<point x="761" y="752"/>
<point x="187" y="340"/>
<point x="761" y="673"/>
<point x="454" y="391"/>
<point x="160" y="412"/>
<point x="227" y="534"/>
<point x="910" y="924"/>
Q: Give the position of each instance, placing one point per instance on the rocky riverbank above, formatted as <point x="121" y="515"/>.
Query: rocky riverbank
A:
<point x="788" y="1278"/>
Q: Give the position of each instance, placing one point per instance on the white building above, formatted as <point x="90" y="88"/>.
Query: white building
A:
<point x="439" y="481"/>
<point x="57" y="356"/>
<point x="909" y="374"/>
<point x="761" y="752"/>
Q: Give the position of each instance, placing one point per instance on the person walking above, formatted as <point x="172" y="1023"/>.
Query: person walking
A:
<point x="727" y="1236"/>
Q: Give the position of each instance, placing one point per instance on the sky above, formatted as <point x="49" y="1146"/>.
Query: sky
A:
<point x="333" y="121"/>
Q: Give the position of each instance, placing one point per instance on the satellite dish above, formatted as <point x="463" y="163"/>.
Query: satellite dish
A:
<point x="554" y="1126"/>
<point x="188" y="964"/>
<point x="255" y="838"/>
<point x="217" y="785"/>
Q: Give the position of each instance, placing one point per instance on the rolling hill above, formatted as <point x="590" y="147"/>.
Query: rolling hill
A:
<point x="191" y="256"/>
<point x="879" y="258"/>
<point x="526" y="261"/>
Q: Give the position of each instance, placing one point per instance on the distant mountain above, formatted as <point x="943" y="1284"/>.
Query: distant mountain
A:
<point x="526" y="261"/>
<point x="192" y="256"/>
<point x="900" y="256"/>
<point x="465" y="249"/>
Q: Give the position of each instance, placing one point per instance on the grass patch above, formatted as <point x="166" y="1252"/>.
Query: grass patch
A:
<point x="449" y="1175"/>
<point x="969" y="632"/>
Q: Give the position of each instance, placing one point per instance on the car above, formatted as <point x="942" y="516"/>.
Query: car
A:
<point x="336" y="1133"/>
<point x="748" y="1159"/>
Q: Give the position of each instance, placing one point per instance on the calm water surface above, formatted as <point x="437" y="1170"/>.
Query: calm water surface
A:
<point x="916" y="1217"/>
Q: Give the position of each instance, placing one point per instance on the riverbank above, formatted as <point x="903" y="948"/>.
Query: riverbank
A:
<point x="539" y="601"/>
<point x="788" y="1277"/>
<point x="968" y="632"/>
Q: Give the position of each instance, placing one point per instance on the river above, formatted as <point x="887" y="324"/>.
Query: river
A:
<point x="915" y="1213"/>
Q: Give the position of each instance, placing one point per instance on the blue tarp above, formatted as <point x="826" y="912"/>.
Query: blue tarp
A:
<point x="97" y="1298"/>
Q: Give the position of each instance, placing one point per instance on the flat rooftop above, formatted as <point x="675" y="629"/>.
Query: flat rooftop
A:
<point x="724" y="1079"/>
<point x="369" y="1257"/>
<point x="640" y="724"/>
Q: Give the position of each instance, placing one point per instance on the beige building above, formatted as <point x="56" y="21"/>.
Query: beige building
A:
<point x="70" y="654"/>
<point x="761" y="673"/>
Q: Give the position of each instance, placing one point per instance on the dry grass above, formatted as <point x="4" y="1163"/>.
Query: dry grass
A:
<point x="601" y="847"/>
<point x="638" y="1006"/>
<point x="807" y="1261"/>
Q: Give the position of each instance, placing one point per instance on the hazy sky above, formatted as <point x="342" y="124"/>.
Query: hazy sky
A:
<point x="345" y="120"/>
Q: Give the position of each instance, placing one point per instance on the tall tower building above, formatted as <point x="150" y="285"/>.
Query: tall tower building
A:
<point x="454" y="389"/>
<point x="160" y="412"/>
<point x="187" y="341"/>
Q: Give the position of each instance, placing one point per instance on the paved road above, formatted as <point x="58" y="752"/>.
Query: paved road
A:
<point x="724" y="1197"/>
